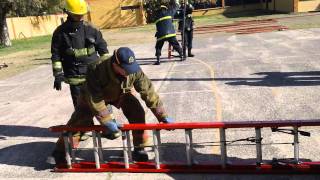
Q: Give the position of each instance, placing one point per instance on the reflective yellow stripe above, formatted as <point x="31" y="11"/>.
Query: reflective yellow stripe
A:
<point x="166" y="36"/>
<point x="163" y="18"/>
<point x="162" y="6"/>
<point x="91" y="50"/>
<point x="57" y="65"/>
<point x="105" y="56"/>
<point x="84" y="52"/>
<point x="75" y="81"/>
<point x="80" y="52"/>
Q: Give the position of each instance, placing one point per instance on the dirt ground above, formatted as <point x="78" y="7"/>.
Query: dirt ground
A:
<point x="232" y="78"/>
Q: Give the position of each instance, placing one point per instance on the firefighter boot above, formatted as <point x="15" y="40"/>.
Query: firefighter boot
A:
<point x="182" y="56"/>
<point x="158" y="61"/>
<point x="140" y="155"/>
<point x="59" y="158"/>
<point x="189" y="53"/>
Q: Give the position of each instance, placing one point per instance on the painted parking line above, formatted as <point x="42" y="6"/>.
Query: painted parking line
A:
<point x="218" y="104"/>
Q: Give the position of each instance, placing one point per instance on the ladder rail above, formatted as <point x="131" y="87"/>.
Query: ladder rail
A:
<point x="299" y="166"/>
<point x="156" y="147"/>
<point x="67" y="148"/>
<point x="200" y="125"/>
<point x="125" y="149"/>
<point x="95" y="150"/>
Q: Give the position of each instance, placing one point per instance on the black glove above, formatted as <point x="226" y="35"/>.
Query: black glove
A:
<point x="57" y="82"/>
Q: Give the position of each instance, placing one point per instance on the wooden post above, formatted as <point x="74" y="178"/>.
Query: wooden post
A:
<point x="295" y="6"/>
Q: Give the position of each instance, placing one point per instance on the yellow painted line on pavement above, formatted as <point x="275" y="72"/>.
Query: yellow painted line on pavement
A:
<point x="218" y="104"/>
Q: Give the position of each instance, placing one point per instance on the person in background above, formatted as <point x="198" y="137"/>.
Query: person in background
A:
<point x="187" y="31"/>
<point x="166" y="31"/>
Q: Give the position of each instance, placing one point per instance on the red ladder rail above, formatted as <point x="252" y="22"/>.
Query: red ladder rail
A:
<point x="199" y="125"/>
<point x="99" y="165"/>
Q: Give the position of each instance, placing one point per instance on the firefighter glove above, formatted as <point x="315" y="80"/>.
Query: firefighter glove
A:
<point x="168" y="120"/>
<point x="112" y="129"/>
<point x="58" y="81"/>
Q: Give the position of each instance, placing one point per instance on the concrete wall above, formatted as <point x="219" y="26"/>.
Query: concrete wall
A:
<point x="311" y="5"/>
<point x="116" y="13"/>
<point x="26" y="27"/>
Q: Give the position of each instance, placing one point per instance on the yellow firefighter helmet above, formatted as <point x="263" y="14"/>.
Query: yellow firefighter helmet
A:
<point x="78" y="7"/>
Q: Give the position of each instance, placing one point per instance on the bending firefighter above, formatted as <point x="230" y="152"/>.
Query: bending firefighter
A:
<point x="187" y="31"/>
<point x="110" y="81"/>
<point x="166" y="31"/>
<point x="75" y="44"/>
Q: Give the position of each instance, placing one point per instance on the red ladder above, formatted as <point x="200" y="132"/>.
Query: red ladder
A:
<point x="296" y="166"/>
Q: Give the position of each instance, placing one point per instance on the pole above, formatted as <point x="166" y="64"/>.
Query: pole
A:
<point x="183" y="27"/>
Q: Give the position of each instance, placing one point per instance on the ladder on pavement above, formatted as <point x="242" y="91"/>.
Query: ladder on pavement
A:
<point x="223" y="166"/>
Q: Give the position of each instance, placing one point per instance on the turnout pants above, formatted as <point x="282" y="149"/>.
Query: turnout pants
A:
<point x="172" y="41"/>
<point x="188" y="37"/>
<point x="75" y="93"/>
<point x="83" y="116"/>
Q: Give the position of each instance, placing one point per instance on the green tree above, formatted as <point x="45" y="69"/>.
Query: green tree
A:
<point x="24" y="8"/>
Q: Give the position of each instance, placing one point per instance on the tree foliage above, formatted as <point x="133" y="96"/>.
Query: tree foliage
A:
<point x="13" y="8"/>
<point x="34" y="7"/>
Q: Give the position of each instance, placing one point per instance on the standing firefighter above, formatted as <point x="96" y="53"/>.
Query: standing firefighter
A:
<point x="110" y="81"/>
<point x="187" y="31"/>
<point x="75" y="44"/>
<point x="166" y="31"/>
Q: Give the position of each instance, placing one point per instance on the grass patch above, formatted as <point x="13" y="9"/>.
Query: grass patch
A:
<point x="40" y="42"/>
<point x="231" y="17"/>
<point x="25" y="54"/>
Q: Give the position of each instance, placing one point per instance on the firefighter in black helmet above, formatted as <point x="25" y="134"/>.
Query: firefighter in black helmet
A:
<point x="166" y="31"/>
<point x="75" y="44"/>
<point x="187" y="31"/>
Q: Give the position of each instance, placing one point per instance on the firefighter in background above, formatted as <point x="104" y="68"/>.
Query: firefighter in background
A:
<point x="110" y="81"/>
<point x="187" y="31"/>
<point x="165" y="31"/>
<point x="74" y="45"/>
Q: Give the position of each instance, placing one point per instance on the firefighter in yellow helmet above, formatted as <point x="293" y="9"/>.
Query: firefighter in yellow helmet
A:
<point x="75" y="44"/>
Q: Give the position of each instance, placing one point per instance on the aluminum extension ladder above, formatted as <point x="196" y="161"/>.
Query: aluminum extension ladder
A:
<point x="295" y="166"/>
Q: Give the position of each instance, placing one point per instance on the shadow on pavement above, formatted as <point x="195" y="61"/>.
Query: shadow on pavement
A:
<point x="277" y="79"/>
<point x="26" y="131"/>
<point x="269" y="79"/>
<point x="33" y="154"/>
<point x="151" y="61"/>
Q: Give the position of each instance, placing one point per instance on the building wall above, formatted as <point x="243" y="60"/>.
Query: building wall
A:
<point x="280" y="5"/>
<point x="310" y="5"/>
<point x="213" y="11"/>
<point x="26" y="27"/>
<point x="284" y="5"/>
<point x="116" y="13"/>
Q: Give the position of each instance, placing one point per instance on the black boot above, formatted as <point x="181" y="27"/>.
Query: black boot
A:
<point x="189" y="53"/>
<point x="182" y="55"/>
<point x="158" y="61"/>
<point x="140" y="155"/>
<point x="59" y="158"/>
